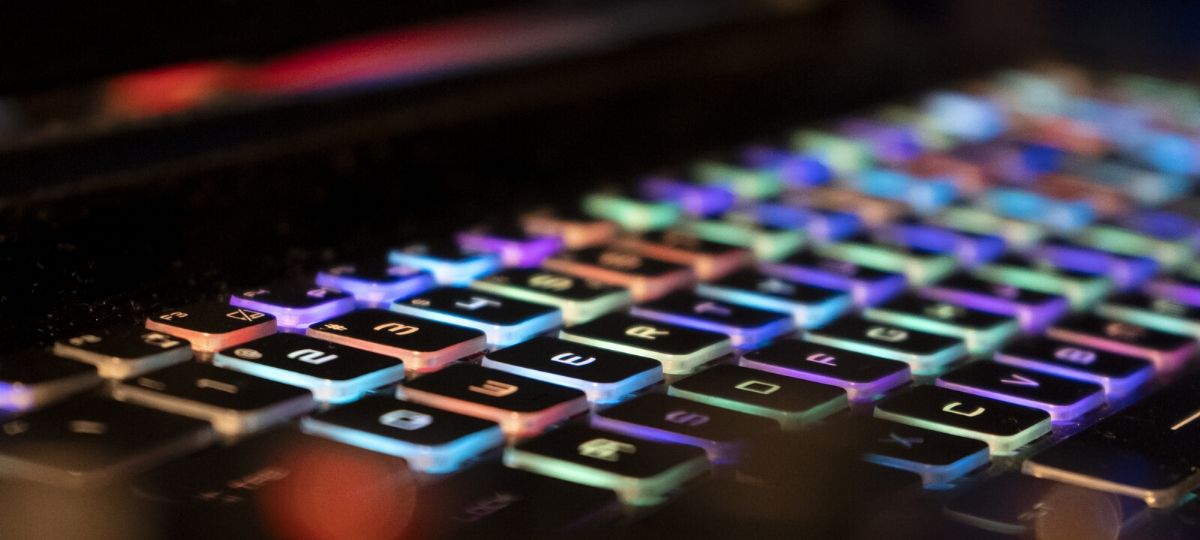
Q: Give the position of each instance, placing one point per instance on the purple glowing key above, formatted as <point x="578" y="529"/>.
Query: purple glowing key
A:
<point x="1163" y="225"/>
<point x="796" y="170"/>
<point x="694" y="199"/>
<point x="295" y="306"/>
<point x="821" y="225"/>
<point x="514" y="247"/>
<point x="1180" y="288"/>
<point x="1126" y="271"/>
<point x="971" y="249"/>
<point x="376" y="284"/>
<point x="890" y="143"/>
<point x="867" y="286"/>
<point x="1033" y="310"/>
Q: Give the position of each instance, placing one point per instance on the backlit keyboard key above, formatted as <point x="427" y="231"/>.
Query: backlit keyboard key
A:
<point x="448" y="263"/>
<point x="938" y="457"/>
<point x="423" y="345"/>
<point x="1064" y="399"/>
<point x="34" y="378"/>
<point x="1168" y="352"/>
<point x="925" y="353"/>
<point x="522" y="406"/>
<point x="746" y="327"/>
<point x="866" y="285"/>
<point x="430" y="440"/>
<point x="1181" y="288"/>
<point x="968" y="178"/>
<point x="694" y="199"/>
<point x="1106" y="200"/>
<point x="746" y="183"/>
<point x="1126" y="272"/>
<point x="91" y="441"/>
<point x="235" y="403"/>
<point x="820" y="225"/>
<point x="503" y="320"/>
<point x="1081" y="290"/>
<point x="768" y="243"/>
<point x="722" y="433"/>
<point x="514" y="247"/>
<point x="808" y="305"/>
<point x="796" y="170"/>
<point x="631" y="214"/>
<point x="1158" y="313"/>
<point x="680" y="350"/>
<point x="872" y="211"/>
<point x="375" y="285"/>
<point x="640" y="472"/>
<point x="1117" y="373"/>
<point x="709" y="260"/>
<point x="918" y="266"/>
<point x="969" y="248"/>
<point x="1057" y="214"/>
<point x="1016" y="505"/>
<point x="1169" y="254"/>
<point x="604" y="375"/>
<point x="645" y="277"/>
<point x="1021" y="235"/>
<point x="965" y="116"/>
<point x="294" y="306"/>
<point x="890" y="143"/>
<point x="843" y="155"/>
<point x="124" y="352"/>
<point x="863" y="377"/>
<point x="1003" y="426"/>
<point x="794" y="403"/>
<point x="576" y="232"/>
<point x="924" y="196"/>
<point x="334" y="373"/>
<point x="981" y="331"/>
<point x="579" y="300"/>
<point x="211" y="326"/>
<point x="1033" y="310"/>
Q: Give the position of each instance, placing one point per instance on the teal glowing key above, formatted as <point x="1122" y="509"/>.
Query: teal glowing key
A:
<point x="631" y="214"/>
<point x="1005" y="427"/>
<point x="766" y="242"/>
<point x="504" y="321"/>
<point x="679" y="349"/>
<point x="794" y="403"/>
<point x="918" y="266"/>
<point x="1169" y="254"/>
<point x="924" y="125"/>
<point x="808" y="305"/>
<point x="1016" y="233"/>
<point x="1080" y="289"/>
<point x="923" y="195"/>
<point x="1146" y="187"/>
<point x="925" y="353"/>
<point x="579" y="299"/>
<point x="746" y="183"/>
<point x="844" y="155"/>
<point x="1161" y="314"/>
<point x="982" y="332"/>
<point x="448" y="263"/>
<point x="1034" y="94"/>
<point x="1059" y="214"/>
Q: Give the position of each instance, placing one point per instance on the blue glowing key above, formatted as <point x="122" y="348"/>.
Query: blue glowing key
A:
<point x="1065" y="399"/>
<point x="374" y="285"/>
<point x="889" y="143"/>
<point x="1064" y="215"/>
<point x="1033" y="310"/>
<point x="1172" y="153"/>
<point x="605" y="375"/>
<point x="820" y="224"/>
<point x="796" y="170"/>
<point x="515" y="247"/>
<point x="938" y="457"/>
<point x="1018" y="163"/>
<point x="295" y="306"/>
<point x="446" y="261"/>
<point x="694" y="199"/>
<point x="964" y="116"/>
<point x="970" y="248"/>
<point x="746" y="327"/>
<point x="505" y="321"/>
<point x="923" y="195"/>
<point x="867" y="286"/>
<point x="1163" y="225"/>
<point x="809" y="306"/>
<point x="1126" y="271"/>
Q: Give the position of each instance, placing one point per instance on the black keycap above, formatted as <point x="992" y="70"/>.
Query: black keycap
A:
<point x="720" y="432"/>
<point x="126" y="351"/>
<point x="430" y="440"/>
<point x="646" y="278"/>
<point x="1168" y="352"/>
<point x="708" y="259"/>
<point x="983" y="332"/>
<point x="1064" y="399"/>
<point x="234" y="402"/>
<point x="925" y="353"/>
<point x="522" y="406"/>
<point x="641" y="472"/>
<point x="1003" y="426"/>
<point x="1117" y="373"/>
<point x="809" y="306"/>
<point x="863" y="377"/>
<point x="1016" y="504"/>
<point x="794" y="403"/>
<point x="294" y="305"/>
<point x="1147" y="451"/>
<point x="34" y="378"/>
<point x="212" y="326"/>
<point x="867" y="286"/>
<point x="680" y="350"/>
<point x="422" y="344"/>
<point x="504" y="321"/>
<point x="937" y="457"/>
<point x="580" y="300"/>
<point x="604" y="375"/>
<point x="449" y="264"/>
<point x="92" y="441"/>
<point x="746" y="327"/>
<point x="334" y="373"/>
<point x="375" y="283"/>
<point x="1157" y="313"/>
<point x="1033" y="310"/>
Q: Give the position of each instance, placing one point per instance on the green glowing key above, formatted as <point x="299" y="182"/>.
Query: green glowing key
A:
<point x="769" y="243"/>
<point x="983" y="332"/>
<point x="1018" y="234"/>
<point x="845" y="156"/>
<point x="631" y="214"/>
<point x="918" y="266"/>
<point x="1081" y="290"/>
<point x="794" y="403"/>
<point x="579" y="299"/>
<point x="928" y="134"/>
<point x="746" y="183"/>
<point x="1157" y="313"/>
<point x="1169" y="254"/>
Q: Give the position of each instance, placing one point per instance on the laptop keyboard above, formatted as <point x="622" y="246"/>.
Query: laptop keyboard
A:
<point x="997" y="290"/>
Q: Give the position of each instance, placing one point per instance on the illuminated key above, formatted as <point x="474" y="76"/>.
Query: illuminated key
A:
<point x="938" y="457"/>
<point x="375" y="285"/>
<point x="1033" y="310"/>
<point x="1112" y="238"/>
<point x="923" y="195"/>
<point x="808" y="305"/>
<point x="1065" y="215"/>
<point x="873" y="211"/>
<point x="1160" y="314"/>
<point x="631" y="214"/>
<point x="604" y="375"/>
<point x="821" y="225"/>
<point x="1105" y="200"/>
<point x="522" y="406"/>
<point x="709" y="260"/>
<point x="1016" y="233"/>
<point x="968" y="178"/>
<point x="1182" y="288"/>
<point x="981" y="331"/>
<point x="964" y="116"/>
<point x="503" y="320"/>
<point x="579" y="299"/>
<point x="334" y="373"/>
<point x="923" y="125"/>
<point x="575" y="231"/>
<point x="33" y="378"/>
<point x="430" y="440"/>
<point x="925" y="353"/>
<point x="448" y="263"/>
<point x="1162" y="225"/>
<point x="515" y="248"/>
<point x="970" y="248"/>
<point x="211" y="326"/>
<point x="1080" y="289"/>
<point x="1003" y="426"/>
<point x="694" y="199"/>
<point x="123" y="352"/>
<point x="863" y="377"/>
<point x="722" y="433"/>
<point x="1064" y="399"/>
<point x="1144" y="186"/>
<point x="747" y="184"/>
<point x="891" y="143"/>
<point x="235" y="403"/>
<point x="796" y="170"/>
<point x="746" y="327"/>
<point x="645" y="277"/>
<point x="423" y="345"/>
<point x="295" y="306"/>
<point x="680" y="350"/>
<point x="641" y="472"/>
<point x="867" y="286"/>
<point x="1117" y="373"/>
<point x="843" y="155"/>
<point x="1168" y="352"/>
<point x="1126" y="272"/>
<point x="918" y="266"/>
<point x="794" y="403"/>
<point x="766" y="242"/>
<point x="1015" y="162"/>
